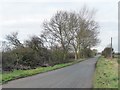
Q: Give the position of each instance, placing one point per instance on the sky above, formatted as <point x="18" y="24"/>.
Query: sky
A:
<point x="26" y="17"/>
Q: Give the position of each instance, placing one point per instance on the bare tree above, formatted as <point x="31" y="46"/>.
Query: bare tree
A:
<point x="5" y="46"/>
<point x="88" y="29"/>
<point x="57" y="31"/>
<point x="35" y="43"/>
<point x="13" y="39"/>
<point x="83" y="30"/>
<point x="72" y="30"/>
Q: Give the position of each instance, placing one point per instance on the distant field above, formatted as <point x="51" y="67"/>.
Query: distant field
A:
<point x="116" y="55"/>
<point x="106" y="74"/>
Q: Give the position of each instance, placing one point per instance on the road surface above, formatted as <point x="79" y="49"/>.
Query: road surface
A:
<point x="79" y="75"/>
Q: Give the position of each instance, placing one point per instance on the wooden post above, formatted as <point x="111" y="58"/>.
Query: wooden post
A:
<point x="111" y="48"/>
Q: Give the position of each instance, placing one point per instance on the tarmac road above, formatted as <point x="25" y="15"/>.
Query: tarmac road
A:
<point x="79" y="75"/>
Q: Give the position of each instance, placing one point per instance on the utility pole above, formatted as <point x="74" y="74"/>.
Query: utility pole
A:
<point x="111" y="48"/>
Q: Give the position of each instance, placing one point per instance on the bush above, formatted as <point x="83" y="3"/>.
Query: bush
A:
<point x="107" y="52"/>
<point x="71" y="56"/>
<point x="57" y="56"/>
<point x="24" y="58"/>
<point x="8" y="61"/>
<point x="87" y="52"/>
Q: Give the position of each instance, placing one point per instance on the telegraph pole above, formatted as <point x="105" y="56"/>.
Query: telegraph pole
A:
<point x="111" y="47"/>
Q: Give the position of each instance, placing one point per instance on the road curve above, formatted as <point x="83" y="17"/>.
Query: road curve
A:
<point x="79" y="75"/>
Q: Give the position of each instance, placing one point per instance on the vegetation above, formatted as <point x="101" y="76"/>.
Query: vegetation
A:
<point x="73" y="31"/>
<point x="65" y="36"/>
<point x="8" y="76"/>
<point x="107" y="52"/>
<point x="106" y="74"/>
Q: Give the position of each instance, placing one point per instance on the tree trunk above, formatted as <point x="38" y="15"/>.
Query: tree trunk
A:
<point x="76" y="56"/>
<point x="65" y="55"/>
<point x="78" y="51"/>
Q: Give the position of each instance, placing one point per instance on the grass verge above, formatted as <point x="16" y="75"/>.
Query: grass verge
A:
<point x="16" y="74"/>
<point x="106" y="74"/>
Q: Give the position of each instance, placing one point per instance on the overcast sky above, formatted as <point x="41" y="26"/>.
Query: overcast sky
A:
<point x="26" y="17"/>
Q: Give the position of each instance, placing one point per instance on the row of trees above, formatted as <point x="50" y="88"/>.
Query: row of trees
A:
<point x="65" y="36"/>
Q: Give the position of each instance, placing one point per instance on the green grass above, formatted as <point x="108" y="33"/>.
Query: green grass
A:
<point x="106" y="74"/>
<point x="16" y="74"/>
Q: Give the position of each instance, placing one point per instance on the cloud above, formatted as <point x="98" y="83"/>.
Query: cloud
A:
<point x="58" y="0"/>
<point x="26" y="16"/>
